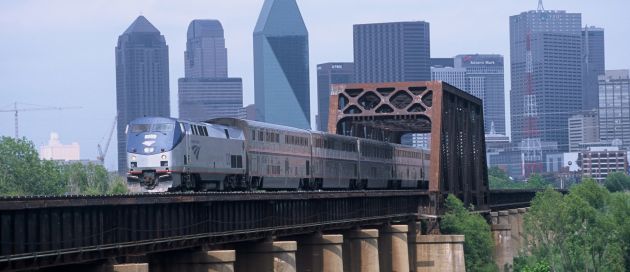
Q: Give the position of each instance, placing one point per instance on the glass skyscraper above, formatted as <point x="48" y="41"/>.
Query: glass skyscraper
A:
<point x="206" y="91"/>
<point x="392" y="52"/>
<point x="594" y="64"/>
<point x="330" y="73"/>
<point x="281" y="79"/>
<point x="614" y="107"/>
<point x="485" y="79"/>
<point x="141" y="79"/>
<point x="546" y="76"/>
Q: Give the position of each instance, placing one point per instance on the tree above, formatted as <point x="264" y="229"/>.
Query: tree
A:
<point x="118" y="186"/>
<point x="617" y="182"/>
<point x="23" y="173"/>
<point x="575" y="232"/>
<point x="478" y="238"/>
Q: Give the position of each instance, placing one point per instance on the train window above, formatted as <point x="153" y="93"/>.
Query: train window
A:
<point x="163" y="127"/>
<point x="260" y="136"/>
<point x="253" y="135"/>
<point x="139" y="128"/>
<point x="239" y="161"/>
<point x="233" y="161"/>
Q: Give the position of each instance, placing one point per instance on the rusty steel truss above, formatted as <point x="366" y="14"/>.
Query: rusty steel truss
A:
<point x="454" y="119"/>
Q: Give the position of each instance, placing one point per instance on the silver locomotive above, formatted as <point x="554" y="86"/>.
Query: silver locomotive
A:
<point x="224" y="154"/>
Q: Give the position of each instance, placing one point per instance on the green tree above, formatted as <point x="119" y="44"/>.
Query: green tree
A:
<point x="118" y="186"/>
<point x="536" y="181"/>
<point x="88" y="179"/>
<point x="575" y="232"/>
<point x="478" y="237"/>
<point x="23" y="173"/>
<point x="617" y="182"/>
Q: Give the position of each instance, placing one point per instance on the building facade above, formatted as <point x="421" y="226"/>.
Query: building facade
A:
<point x="392" y="52"/>
<point x="599" y="162"/>
<point x="57" y="151"/>
<point x="614" y="107"/>
<point x="546" y="78"/>
<point x="485" y="80"/>
<point x="453" y="76"/>
<point x="142" y="79"/>
<point x="206" y="91"/>
<point x="330" y="73"/>
<point x="281" y="72"/>
<point x="594" y="65"/>
<point x="583" y="129"/>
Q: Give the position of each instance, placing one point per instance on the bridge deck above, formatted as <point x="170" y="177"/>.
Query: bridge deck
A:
<point x="44" y="231"/>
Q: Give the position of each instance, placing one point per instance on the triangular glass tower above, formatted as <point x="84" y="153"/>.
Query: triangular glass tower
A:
<point x="281" y="79"/>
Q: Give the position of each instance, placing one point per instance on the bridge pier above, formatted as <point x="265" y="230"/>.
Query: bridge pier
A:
<point x="268" y="256"/>
<point x="198" y="261"/>
<point x="360" y="251"/>
<point x="502" y="236"/>
<point x="393" y="248"/>
<point x="109" y="267"/>
<point x="318" y="252"/>
<point x="443" y="253"/>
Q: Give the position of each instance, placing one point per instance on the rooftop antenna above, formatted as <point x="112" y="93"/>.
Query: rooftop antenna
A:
<point x="540" y="6"/>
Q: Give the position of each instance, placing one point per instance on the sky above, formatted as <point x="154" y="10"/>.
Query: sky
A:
<point x="61" y="53"/>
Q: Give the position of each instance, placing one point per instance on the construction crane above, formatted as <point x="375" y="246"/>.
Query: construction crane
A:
<point x="103" y="152"/>
<point x="31" y="107"/>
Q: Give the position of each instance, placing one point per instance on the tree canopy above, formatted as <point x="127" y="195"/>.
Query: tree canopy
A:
<point x="478" y="238"/>
<point x="617" y="182"/>
<point x="585" y="230"/>
<point x="23" y="173"/>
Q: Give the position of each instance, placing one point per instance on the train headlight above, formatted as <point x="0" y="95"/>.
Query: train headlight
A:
<point x="164" y="157"/>
<point x="133" y="158"/>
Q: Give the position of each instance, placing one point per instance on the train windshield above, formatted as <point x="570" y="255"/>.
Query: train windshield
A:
<point x="140" y="128"/>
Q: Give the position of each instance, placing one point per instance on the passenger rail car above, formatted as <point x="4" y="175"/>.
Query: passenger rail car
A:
<point x="226" y="154"/>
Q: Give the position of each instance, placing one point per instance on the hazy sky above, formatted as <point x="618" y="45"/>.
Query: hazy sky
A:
<point x="61" y="53"/>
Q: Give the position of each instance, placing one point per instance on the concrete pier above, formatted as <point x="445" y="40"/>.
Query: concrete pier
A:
<point x="444" y="253"/>
<point x="360" y="251"/>
<point x="502" y="236"/>
<point x="199" y="261"/>
<point x="319" y="252"/>
<point x="267" y="256"/>
<point x="393" y="248"/>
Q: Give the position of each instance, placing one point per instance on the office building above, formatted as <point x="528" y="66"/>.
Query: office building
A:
<point x="330" y="73"/>
<point x="614" y="107"/>
<point x="142" y="82"/>
<point x="281" y="75"/>
<point x="454" y="76"/>
<point x="583" y="129"/>
<point x="442" y="62"/>
<point x="485" y="80"/>
<point x="598" y="162"/>
<point x="594" y="65"/>
<point x="206" y="91"/>
<point x="546" y="78"/>
<point x="57" y="151"/>
<point x="392" y="52"/>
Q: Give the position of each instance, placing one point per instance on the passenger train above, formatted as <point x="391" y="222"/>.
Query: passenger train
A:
<point x="226" y="154"/>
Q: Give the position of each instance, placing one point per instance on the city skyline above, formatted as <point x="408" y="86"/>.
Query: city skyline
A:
<point x="327" y="45"/>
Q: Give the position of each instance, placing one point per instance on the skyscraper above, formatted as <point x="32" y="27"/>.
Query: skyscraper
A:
<point x="546" y="76"/>
<point x="485" y="79"/>
<point x="330" y="73"/>
<point x="453" y="76"/>
<point x="594" y="65"/>
<point x="141" y="79"/>
<point x="614" y="107"/>
<point x="206" y="91"/>
<point x="392" y="52"/>
<point x="281" y="79"/>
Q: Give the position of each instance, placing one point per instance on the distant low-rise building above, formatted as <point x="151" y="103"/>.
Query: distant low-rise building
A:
<point x="57" y="151"/>
<point x="598" y="162"/>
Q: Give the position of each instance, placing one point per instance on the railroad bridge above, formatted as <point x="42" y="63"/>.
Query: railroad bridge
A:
<point x="390" y="230"/>
<point x="454" y="119"/>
